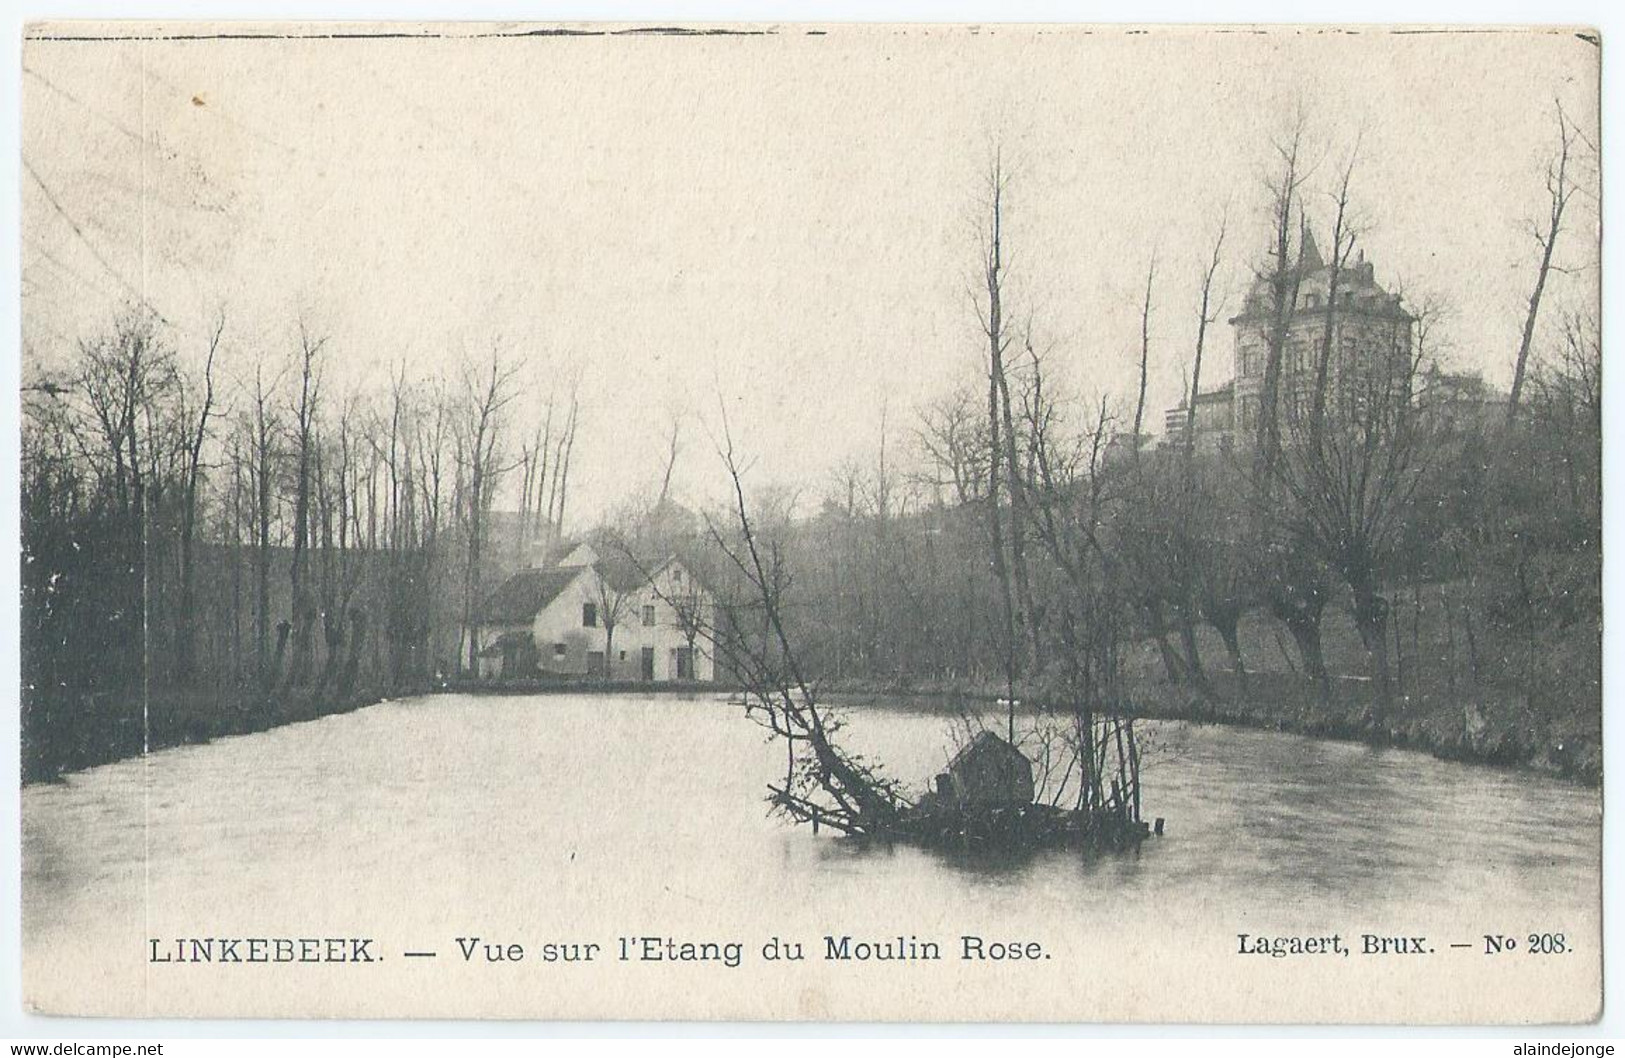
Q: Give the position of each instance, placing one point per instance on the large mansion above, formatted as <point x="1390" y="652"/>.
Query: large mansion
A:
<point x="1371" y="344"/>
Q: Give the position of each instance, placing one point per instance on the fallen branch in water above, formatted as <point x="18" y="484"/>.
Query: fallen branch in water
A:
<point x="824" y="784"/>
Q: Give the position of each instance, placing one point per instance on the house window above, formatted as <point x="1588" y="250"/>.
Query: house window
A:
<point x="677" y="576"/>
<point x="648" y="617"/>
<point x="623" y="655"/>
<point x="589" y="615"/>
<point x="558" y="650"/>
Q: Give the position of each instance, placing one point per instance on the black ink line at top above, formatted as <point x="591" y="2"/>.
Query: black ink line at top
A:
<point x="383" y="34"/>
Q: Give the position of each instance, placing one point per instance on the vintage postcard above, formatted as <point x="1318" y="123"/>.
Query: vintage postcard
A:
<point x="811" y="522"/>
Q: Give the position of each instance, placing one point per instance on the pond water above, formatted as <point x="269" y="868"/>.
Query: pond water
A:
<point x="591" y="818"/>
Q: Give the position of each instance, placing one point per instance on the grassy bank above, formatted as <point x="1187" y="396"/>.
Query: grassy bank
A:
<point x="1448" y="700"/>
<point x="1488" y="730"/>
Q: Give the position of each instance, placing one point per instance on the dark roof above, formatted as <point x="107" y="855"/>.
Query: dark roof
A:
<point x="1309" y="259"/>
<point x="525" y="594"/>
<point x="624" y="572"/>
<point x="1359" y="293"/>
<point x="498" y="646"/>
<point x="984" y="742"/>
<point x="557" y="553"/>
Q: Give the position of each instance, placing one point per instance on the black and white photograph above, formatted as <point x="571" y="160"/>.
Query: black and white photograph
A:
<point x="786" y="522"/>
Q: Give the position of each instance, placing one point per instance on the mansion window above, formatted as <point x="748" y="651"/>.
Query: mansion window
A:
<point x="1297" y="361"/>
<point x="648" y="617"/>
<point x="589" y="615"/>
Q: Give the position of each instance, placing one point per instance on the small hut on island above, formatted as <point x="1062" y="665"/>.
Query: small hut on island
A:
<point x="987" y="772"/>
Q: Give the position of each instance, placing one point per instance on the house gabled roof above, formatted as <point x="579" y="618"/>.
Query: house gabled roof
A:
<point x="624" y="572"/>
<point x="985" y="743"/>
<point x="550" y="558"/>
<point x="527" y="593"/>
<point x="558" y="556"/>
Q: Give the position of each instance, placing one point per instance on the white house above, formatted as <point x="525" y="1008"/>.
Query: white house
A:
<point x="588" y="615"/>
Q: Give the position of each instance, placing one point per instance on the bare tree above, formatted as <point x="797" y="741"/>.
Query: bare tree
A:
<point x="186" y="644"/>
<point x="1004" y="468"/>
<point x="304" y="410"/>
<point x="120" y="377"/>
<point x="1074" y="520"/>
<point x="264" y="427"/>
<point x="613" y="595"/>
<point x="1344" y="235"/>
<point x="564" y="448"/>
<point x="433" y="440"/>
<point x="1282" y="278"/>
<point x="1145" y="357"/>
<point x="1352" y="489"/>
<point x="1560" y="188"/>
<point x="1205" y="317"/>
<point x="533" y="468"/>
<point x="1292" y="583"/>
<point x="823" y="783"/>
<point x="953" y="438"/>
<point x="672" y="448"/>
<point x="482" y="436"/>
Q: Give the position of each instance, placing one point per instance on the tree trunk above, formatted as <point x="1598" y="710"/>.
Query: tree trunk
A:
<point x="262" y="609"/>
<point x="262" y="556"/>
<point x="1371" y="619"/>
<point x="283" y="628"/>
<point x="471" y="600"/>
<point x="1548" y="242"/>
<point x="1193" y="656"/>
<point x="1226" y="626"/>
<point x="352" y="662"/>
<point x="1305" y="630"/>
<point x="1172" y="665"/>
<point x="333" y="643"/>
<point x="186" y="632"/>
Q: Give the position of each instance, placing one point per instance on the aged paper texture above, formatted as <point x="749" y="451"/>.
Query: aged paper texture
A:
<point x="1004" y="523"/>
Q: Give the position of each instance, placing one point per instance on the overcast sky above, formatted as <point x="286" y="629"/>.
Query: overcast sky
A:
<point x="785" y="219"/>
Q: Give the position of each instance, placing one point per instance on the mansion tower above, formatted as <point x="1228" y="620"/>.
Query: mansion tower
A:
<point x="1371" y="347"/>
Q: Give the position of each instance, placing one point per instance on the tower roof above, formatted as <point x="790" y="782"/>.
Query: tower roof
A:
<point x="1309" y="259"/>
<point x="1357" y="288"/>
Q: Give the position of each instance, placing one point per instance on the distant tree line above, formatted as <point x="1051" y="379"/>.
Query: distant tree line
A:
<point x="209" y="550"/>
